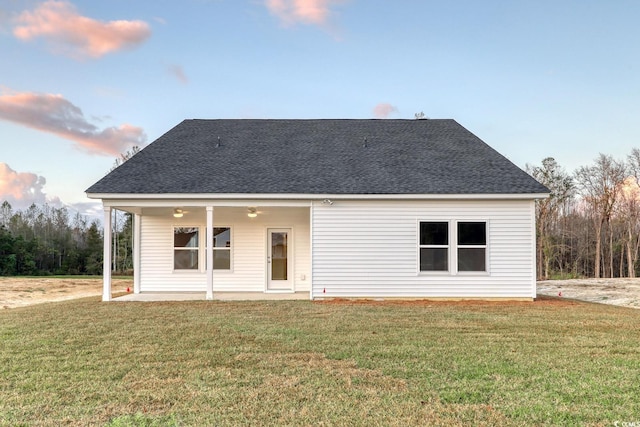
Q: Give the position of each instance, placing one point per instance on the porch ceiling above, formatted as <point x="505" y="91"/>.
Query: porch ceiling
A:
<point x="162" y="207"/>
<point x="199" y="212"/>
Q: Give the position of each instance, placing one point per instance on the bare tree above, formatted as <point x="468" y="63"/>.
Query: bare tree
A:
<point x="630" y="211"/>
<point x="120" y="220"/>
<point x="633" y="162"/>
<point x="125" y="156"/>
<point x="6" y="212"/>
<point x="548" y="210"/>
<point x="600" y="186"/>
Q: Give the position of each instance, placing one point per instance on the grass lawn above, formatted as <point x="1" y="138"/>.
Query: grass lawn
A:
<point x="73" y="276"/>
<point x="301" y="363"/>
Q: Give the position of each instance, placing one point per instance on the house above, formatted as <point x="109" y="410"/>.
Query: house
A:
<point x="331" y="208"/>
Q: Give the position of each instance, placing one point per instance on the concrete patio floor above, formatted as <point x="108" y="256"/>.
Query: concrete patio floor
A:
<point x="217" y="296"/>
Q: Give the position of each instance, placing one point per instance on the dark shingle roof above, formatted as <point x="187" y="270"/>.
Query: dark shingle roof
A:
<point x="318" y="157"/>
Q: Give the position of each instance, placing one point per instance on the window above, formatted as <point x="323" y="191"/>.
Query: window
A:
<point x="221" y="248"/>
<point x="185" y="248"/>
<point x="434" y="246"/>
<point x="466" y="249"/>
<point x="472" y="246"/>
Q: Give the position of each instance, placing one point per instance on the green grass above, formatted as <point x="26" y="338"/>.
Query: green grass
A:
<point x="70" y="276"/>
<point x="302" y="363"/>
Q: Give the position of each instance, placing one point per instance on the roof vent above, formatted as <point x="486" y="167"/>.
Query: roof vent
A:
<point x="218" y="143"/>
<point x="364" y="144"/>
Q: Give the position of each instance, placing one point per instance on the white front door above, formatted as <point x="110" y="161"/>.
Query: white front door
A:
<point x="279" y="259"/>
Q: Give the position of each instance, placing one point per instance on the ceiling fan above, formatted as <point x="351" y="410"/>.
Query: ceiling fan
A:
<point x="179" y="212"/>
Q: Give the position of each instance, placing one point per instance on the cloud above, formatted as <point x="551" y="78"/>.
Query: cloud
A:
<point x="90" y="210"/>
<point x="384" y="110"/>
<point x="21" y="189"/>
<point x="311" y="12"/>
<point x="178" y="72"/>
<point x="75" y="35"/>
<point x="54" y="114"/>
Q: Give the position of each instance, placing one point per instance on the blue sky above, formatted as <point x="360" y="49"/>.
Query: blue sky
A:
<point x="81" y="81"/>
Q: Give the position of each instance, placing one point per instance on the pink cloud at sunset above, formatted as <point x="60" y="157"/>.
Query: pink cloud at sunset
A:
<point x="54" y="114"/>
<point x="20" y="189"/>
<point x="314" y="12"/>
<point x="383" y="110"/>
<point x="69" y="33"/>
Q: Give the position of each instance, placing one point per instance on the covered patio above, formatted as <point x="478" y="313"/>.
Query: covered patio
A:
<point x="215" y="250"/>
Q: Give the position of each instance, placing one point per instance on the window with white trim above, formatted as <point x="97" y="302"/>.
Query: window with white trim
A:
<point x="438" y="243"/>
<point x="472" y="246"/>
<point x="186" y="248"/>
<point x="222" y="248"/>
<point x="434" y="246"/>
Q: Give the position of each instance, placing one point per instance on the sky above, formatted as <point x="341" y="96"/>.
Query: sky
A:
<point x="83" y="81"/>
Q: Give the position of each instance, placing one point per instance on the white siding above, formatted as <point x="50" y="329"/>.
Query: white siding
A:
<point x="360" y="249"/>
<point x="370" y="249"/>
<point x="248" y="249"/>
<point x="156" y="257"/>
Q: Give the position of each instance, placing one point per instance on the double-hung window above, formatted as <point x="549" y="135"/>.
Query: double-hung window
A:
<point x="434" y="246"/>
<point x="472" y="246"/>
<point x="186" y="248"/>
<point x="221" y="248"/>
<point x="453" y="246"/>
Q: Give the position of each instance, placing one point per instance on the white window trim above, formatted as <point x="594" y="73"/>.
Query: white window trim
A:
<point x="199" y="249"/>
<point x="448" y="271"/>
<point x="485" y="247"/>
<point x="230" y="249"/>
<point x="453" y="248"/>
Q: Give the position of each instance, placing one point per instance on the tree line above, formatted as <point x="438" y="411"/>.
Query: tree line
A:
<point x="589" y="226"/>
<point x="46" y="240"/>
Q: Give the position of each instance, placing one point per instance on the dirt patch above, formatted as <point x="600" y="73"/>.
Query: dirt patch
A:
<point x="22" y="291"/>
<point x="541" y="300"/>
<point x="622" y="292"/>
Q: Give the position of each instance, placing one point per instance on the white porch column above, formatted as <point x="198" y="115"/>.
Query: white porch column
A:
<point x="209" y="251"/>
<point x="106" y="269"/>
<point x="136" y="253"/>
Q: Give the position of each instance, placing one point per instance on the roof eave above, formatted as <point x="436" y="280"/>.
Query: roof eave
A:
<point x="309" y="196"/>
